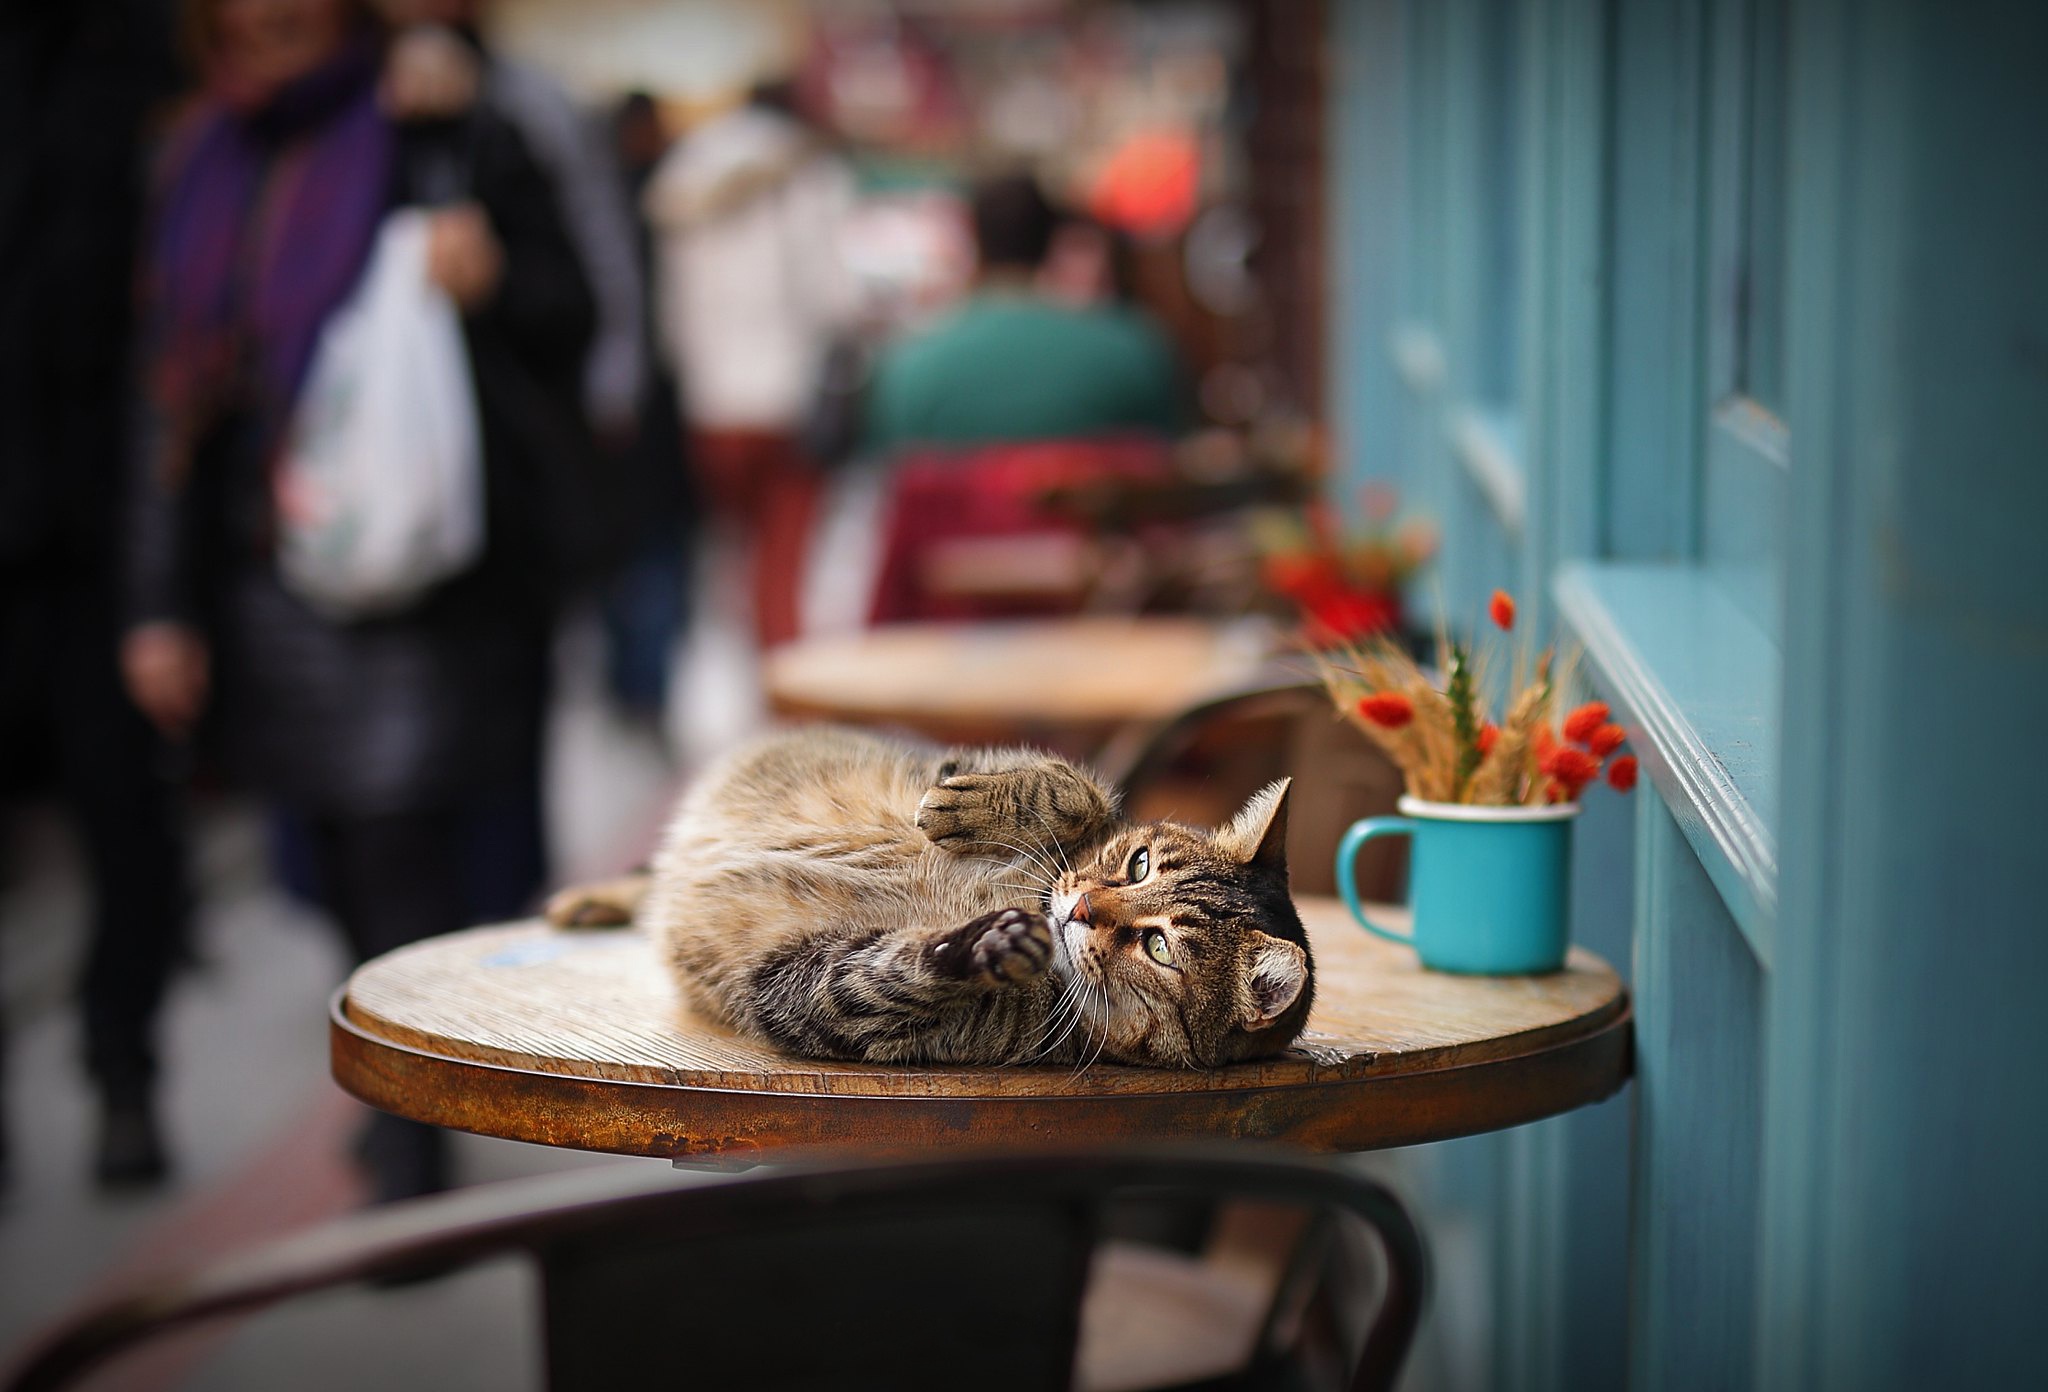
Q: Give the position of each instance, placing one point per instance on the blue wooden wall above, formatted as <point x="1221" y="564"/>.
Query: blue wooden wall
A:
<point x="1718" y="331"/>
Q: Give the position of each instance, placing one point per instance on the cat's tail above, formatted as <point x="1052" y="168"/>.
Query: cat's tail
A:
<point x="603" y="904"/>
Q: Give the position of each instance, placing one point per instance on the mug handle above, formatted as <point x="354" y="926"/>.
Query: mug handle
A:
<point x="1347" y="868"/>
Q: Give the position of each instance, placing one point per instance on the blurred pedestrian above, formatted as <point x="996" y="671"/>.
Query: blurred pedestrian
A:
<point x="438" y="65"/>
<point x="1024" y="358"/>
<point x="379" y="734"/>
<point x="645" y="604"/>
<point x="747" y="211"/>
<point x="76" y="83"/>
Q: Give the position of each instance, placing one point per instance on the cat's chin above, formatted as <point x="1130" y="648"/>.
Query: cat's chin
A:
<point x="1069" y="937"/>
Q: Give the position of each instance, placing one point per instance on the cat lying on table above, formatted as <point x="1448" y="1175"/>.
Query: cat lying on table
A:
<point x="843" y="895"/>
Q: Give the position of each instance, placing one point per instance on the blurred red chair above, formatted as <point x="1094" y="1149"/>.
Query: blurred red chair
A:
<point x="967" y="533"/>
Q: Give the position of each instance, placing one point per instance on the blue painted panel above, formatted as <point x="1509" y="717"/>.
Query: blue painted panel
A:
<point x="1698" y="1097"/>
<point x="1906" y="1228"/>
<point x="1498" y="174"/>
<point x="1488" y="446"/>
<point x="1426" y="452"/>
<point x="1745" y="446"/>
<point x="1744" y="509"/>
<point x="1696" y="684"/>
<point x="1369" y="212"/>
<point x="1654" y="322"/>
<point x="1462" y="232"/>
<point x="1422" y="33"/>
<point x="1588" y="1273"/>
<point x="1561" y="1290"/>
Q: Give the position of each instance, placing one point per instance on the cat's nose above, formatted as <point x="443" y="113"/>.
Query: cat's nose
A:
<point x="1082" y="912"/>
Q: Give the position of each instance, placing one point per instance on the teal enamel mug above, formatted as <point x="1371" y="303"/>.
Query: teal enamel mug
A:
<point x="1488" y="887"/>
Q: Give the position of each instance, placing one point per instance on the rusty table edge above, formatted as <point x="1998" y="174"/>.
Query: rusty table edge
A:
<point x="1367" y="1111"/>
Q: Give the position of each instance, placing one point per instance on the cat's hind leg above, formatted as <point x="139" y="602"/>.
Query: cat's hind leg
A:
<point x="604" y="904"/>
<point x="963" y="995"/>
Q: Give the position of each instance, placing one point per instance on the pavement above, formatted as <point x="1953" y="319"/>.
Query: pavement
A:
<point x="258" y="1131"/>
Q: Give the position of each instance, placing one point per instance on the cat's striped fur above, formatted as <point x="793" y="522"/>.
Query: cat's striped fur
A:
<point x="843" y="895"/>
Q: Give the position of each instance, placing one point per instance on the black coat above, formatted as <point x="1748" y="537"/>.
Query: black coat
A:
<point x="422" y="709"/>
<point x="75" y="84"/>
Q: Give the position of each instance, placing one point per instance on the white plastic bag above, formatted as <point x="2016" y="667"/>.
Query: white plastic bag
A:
<point x="380" y="491"/>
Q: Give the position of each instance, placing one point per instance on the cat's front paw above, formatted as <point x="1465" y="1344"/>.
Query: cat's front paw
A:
<point x="959" y="809"/>
<point x="1006" y="946"/>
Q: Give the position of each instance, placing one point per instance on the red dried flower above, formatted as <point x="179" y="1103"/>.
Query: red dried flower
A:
<point x="1302" y="576"/>
<point x="1606" y="740"/>
<point x="1389" y="709"/>
<point x="1572" y="768"/>
<point x="1502" y="609"/>
<point x="1581" y="723"/>
<point x="1489" y="736"/>
<point x="1622" y="773"/>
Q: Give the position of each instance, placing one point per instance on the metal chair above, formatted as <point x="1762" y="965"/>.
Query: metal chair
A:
<point x="942" y="1275"/>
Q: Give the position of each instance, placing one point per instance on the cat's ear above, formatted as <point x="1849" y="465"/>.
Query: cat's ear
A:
<point x="1275" y="973"/>
<point x="1258" y="834"/>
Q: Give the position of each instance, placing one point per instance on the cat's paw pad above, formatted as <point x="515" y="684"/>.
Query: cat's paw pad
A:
<point x="955" y="808"/>
<point x="1014" y="944"/>
<point x="1009" y="945"/>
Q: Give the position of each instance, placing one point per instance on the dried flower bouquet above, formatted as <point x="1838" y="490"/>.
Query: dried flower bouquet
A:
<point x="1347" y="588"/>
<point x="1445" y="742"/>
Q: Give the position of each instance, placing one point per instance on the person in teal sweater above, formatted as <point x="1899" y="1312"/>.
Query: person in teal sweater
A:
<point x="1012" y="363"/>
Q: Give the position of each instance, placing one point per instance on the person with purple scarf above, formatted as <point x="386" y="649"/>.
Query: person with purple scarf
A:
<point x="383" y="737"/>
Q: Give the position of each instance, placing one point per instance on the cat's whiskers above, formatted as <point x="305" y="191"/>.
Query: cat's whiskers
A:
<point x="1088" y="1029"/>
<point x="1046" y="867"/>
<point x="1070" y="982"/>
<point x="1036" y="889"/>
<point x="1040" y="1046"/>
<point x="1078" y="1023"/>
<point x="1066" y="866"/>
<point x="1072" y="1022"/>
<point x="1103" y="1042"/>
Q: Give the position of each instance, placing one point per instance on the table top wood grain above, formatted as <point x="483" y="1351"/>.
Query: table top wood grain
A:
<point x="1080" y="678"/>
<point x="578" y="1038"/>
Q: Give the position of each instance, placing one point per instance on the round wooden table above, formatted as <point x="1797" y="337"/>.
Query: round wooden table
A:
<point x="578" y="1039"/>
<point x="1064" y="681"/>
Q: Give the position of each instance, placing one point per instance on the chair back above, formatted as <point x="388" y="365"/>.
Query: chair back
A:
<point x="934" y="1275"/>
<point x="967" y="533"/>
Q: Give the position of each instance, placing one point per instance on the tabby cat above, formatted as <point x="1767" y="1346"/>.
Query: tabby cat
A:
<point x="843" y="895"/>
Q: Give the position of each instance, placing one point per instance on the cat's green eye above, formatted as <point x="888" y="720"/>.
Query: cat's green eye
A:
<point x="1156" y="948"/>
<point x="1140" y="866"/>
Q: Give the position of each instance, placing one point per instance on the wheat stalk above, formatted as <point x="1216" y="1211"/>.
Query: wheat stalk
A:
<point x="1427" y="749"/>
<point x="1499" y="780"/>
